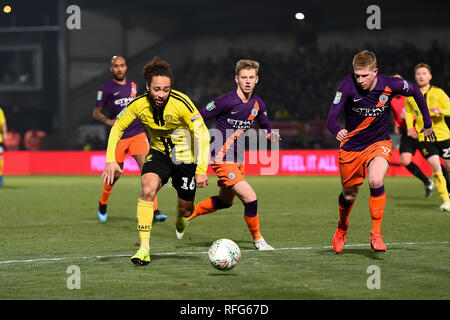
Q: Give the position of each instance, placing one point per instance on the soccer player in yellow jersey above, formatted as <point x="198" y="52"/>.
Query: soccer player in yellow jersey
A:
<point x="114" y="96"/>
<point x="439" y="106"/>
<point x="179" y="149"/>
<point x="3" y="134"/>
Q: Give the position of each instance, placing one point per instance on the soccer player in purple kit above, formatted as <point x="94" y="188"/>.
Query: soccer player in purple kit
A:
<point x="115" y="95"/>
<point x="235" y="113"/>
<point x="365" y="144"/>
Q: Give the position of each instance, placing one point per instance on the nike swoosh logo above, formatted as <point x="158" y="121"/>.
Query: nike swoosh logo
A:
<point x="234" y="112"/>
<point x="355" y="100"/>
<point x="116" y="93"/>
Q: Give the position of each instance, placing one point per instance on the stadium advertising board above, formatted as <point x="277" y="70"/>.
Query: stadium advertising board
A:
<point x="284" y="162"/>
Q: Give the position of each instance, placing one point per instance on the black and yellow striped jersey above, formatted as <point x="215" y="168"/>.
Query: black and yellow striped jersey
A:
<point x="436" y="98"/>
<point x="176" y="129"/>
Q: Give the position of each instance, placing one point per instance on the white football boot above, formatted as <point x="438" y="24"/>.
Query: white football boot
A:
<point x="262" y="245"/>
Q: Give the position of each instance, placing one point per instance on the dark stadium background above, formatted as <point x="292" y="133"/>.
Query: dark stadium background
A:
<point x="49" y="75"/>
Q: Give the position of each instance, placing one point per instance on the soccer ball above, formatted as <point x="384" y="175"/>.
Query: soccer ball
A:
<point x="224" y="254"/>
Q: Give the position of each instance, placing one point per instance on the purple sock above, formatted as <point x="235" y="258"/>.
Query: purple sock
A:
<point x="251" y="208"/>
<point x="376" y="192"/>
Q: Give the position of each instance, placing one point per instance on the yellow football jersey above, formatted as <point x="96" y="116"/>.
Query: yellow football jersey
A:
<point x="176" y="129"/>
<point x="2" y="121"/>
<point x="436" y="98"/>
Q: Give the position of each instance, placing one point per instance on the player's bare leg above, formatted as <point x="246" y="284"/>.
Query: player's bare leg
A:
<point x="102" y="212"/>
<point x="406" y="161"/>
<point x="346" y="201"/>
<point x="439" y="180"/>
<point x="157" y="215"/>
<point x="151" y="183"/>
<point x="184" y="210"/>
<point x="377" y="170"/>
<point x="1" y="167"/>
<point x="211" y="204"/>
<point x="247" y="195"/>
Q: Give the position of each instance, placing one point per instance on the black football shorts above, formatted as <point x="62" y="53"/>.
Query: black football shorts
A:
<point x="182" y="174"/>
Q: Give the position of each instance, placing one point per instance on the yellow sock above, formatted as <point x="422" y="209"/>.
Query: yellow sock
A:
<point x="145" y="220"/>
<point x="441" y="186"/>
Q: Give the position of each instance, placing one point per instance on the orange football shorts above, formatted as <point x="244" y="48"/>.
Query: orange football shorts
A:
<point x="229" y="173"/>
<point x="353" y="164"/>
<point x="137" y="144"/>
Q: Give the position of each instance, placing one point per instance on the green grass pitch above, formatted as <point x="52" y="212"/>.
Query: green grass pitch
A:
<point x="49" y="223"/>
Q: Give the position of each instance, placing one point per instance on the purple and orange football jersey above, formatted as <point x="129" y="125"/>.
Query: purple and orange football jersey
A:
<point x="233" y="118"/>
<point x="114" y="97"/>
<point x="367" y="113"/>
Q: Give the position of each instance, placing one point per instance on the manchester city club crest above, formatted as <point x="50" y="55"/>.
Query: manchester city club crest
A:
<point x="383" y="98"/>
<point x="254" y="112"/>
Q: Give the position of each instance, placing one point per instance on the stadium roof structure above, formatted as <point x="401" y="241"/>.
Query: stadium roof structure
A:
<point x="204" y="16"/>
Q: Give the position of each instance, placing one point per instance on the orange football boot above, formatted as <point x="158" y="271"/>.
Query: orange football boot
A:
<point x="376" y="242"/>
<point x="339" y="239"/>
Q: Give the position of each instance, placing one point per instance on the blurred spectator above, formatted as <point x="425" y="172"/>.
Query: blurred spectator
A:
<point x="13" y="140"/>
<point x="33" y="139"/>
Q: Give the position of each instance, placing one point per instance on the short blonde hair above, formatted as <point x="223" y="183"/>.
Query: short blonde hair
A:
<point x="422" y="65"/>
<point x="247" y="64"/>
<point x="364" y="59"/>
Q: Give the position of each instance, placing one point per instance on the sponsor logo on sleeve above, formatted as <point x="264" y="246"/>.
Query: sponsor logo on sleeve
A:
<point x="122" y="112"/>
<point x="195" y="117"/>
<point x="210" y="106"/>
<point x="337" y="98"/>
<point x="405" y="85"/>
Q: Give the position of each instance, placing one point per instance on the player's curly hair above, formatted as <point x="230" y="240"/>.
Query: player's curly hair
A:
<point x="157" y="67"/>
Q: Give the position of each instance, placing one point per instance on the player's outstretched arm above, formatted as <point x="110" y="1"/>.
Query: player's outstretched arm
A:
<point x="99" y="116"/>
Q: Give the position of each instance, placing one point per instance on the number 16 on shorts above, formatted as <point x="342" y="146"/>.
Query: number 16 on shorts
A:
<point x="186" y="185"/>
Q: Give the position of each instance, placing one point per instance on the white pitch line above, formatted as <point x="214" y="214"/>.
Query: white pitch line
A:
<point x="205" y="252"/>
